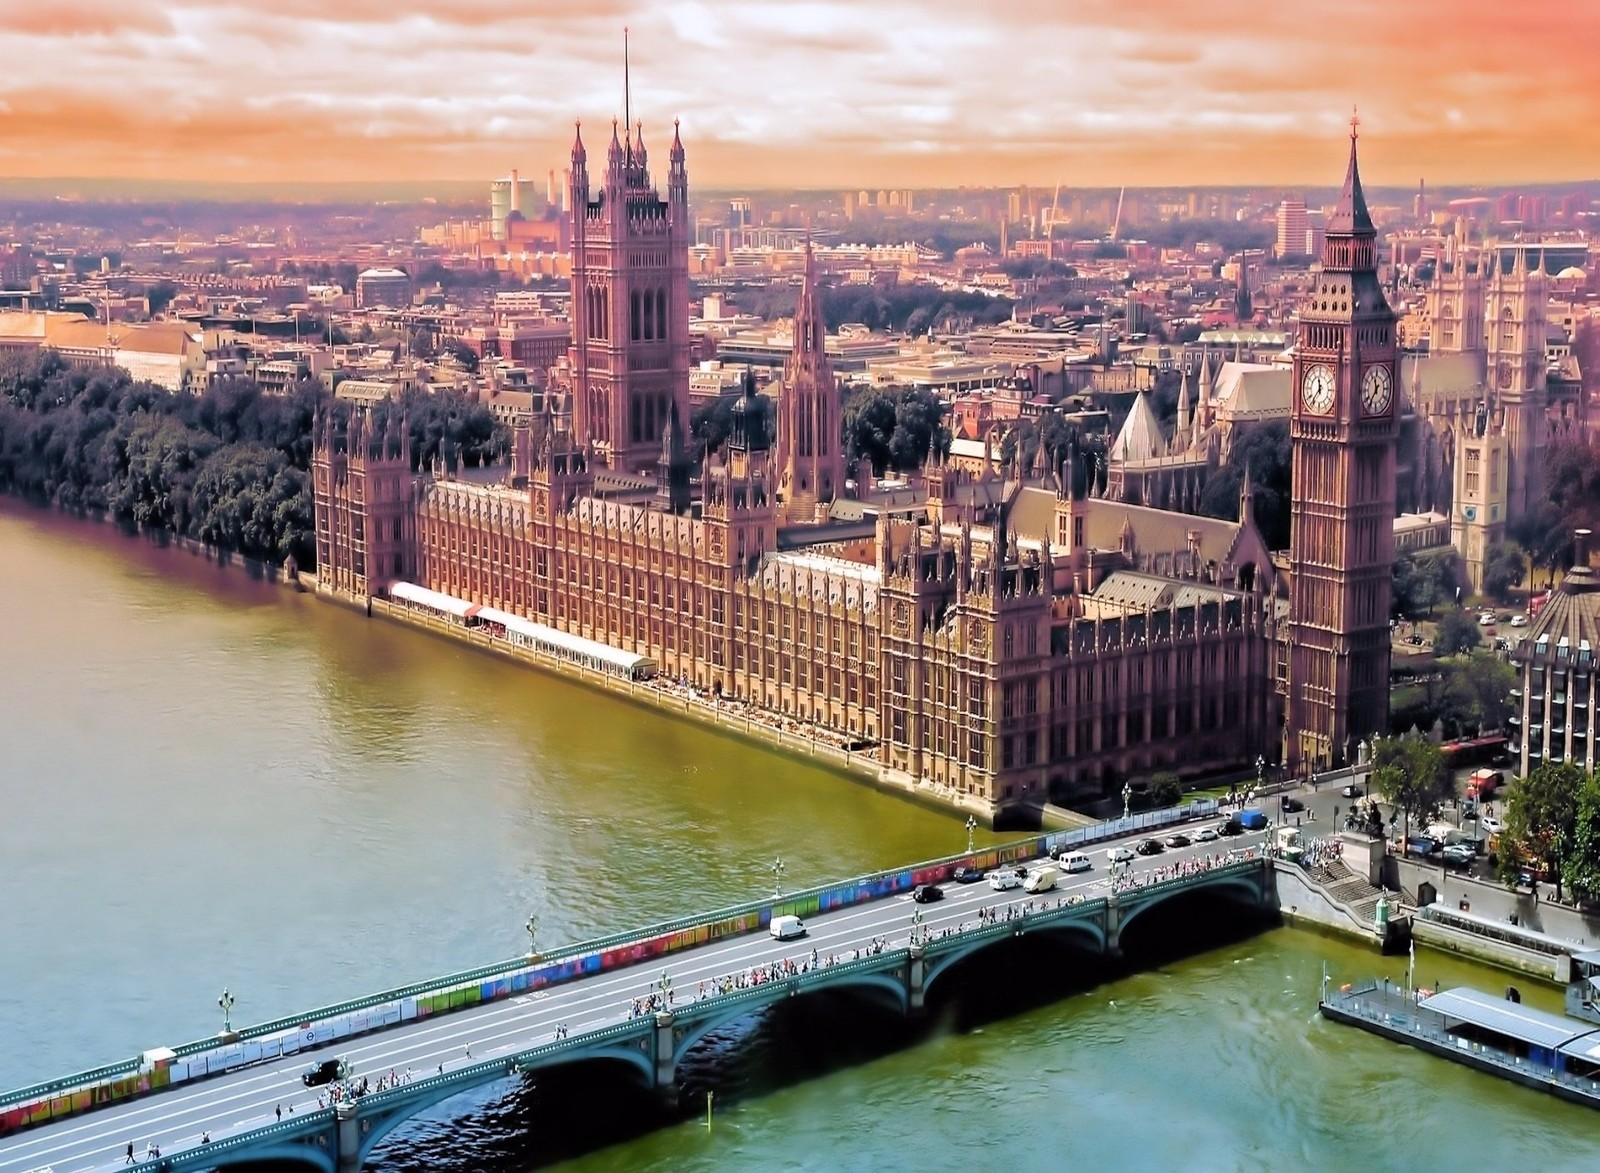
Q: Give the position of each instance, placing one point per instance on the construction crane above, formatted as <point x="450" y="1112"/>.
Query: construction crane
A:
<point x="1116" y="224"/>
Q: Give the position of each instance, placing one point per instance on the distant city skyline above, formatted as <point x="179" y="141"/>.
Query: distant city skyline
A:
<point x="868" y="93"/>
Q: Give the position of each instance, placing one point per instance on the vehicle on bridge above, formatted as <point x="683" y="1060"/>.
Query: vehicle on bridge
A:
<point x="967" y="874"/>
<point x="1041" y="879"/>
<point x="1075" y="861"/>
<point x="1148" y="847"/>
<point x="1004" y="880"/>
<point x="787" y="928"/>
<point x="325" y="1072"/>
<point x="1119" y="854"/>
<point x="927" y="893"/>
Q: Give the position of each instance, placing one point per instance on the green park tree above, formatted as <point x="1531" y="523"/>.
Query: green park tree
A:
<point x="1504" y="568"/>
<point x="1477" y="693"/>
<point x="1456" y="635"/>
<point x="1409" y="772"/>
<point x="1541" y="818"/>
<point x="1581" y="869"/>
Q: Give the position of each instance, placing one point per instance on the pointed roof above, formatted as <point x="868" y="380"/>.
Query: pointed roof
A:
<point x="810" y="331"/>
<point x="677" y="141"/>
<point x="1140" y="437"/>
<point x="1179" y="439"/>
<point x="1350" y="216"/>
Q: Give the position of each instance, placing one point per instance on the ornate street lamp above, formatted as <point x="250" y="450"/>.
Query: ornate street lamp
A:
<point x="972" y="825"/>
<point x="532" y="928"/>
<point x="226" y="1002"/>
<point x="916" y="925"/>
<point x="1127" y="797"/>
<point x="777" y="877"/>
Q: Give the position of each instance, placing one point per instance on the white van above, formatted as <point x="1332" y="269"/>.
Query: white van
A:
<point x="1004" y="880"/>
<point x="787" y="928"/>
<point x="1041" y="879"/>
<point x="1075" y="861"/>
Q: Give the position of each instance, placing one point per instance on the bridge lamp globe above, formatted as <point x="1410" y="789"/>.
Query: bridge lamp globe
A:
<point x="972" y="825"/>
<point x="225" y="1003"/>
<point x="532" y="929"/>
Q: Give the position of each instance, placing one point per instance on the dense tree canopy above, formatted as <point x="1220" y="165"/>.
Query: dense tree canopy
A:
<point x="1541" y="820"/>
<point x="1456" y="634"/>
<point x="893" y="427"/>
<point x="1410" y="772"/>
<point x="1267" y="453"/>
<point x="229" y="467"/>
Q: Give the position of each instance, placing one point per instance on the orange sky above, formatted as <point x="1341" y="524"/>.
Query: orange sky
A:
<point x="809" y="93"/>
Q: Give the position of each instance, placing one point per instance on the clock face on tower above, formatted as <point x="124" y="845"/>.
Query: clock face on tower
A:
<point x="1377" y="389"/>
<point x="1316" y="389"/>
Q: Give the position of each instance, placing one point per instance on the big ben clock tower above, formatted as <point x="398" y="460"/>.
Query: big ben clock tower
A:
<point x="1342" y="427"/>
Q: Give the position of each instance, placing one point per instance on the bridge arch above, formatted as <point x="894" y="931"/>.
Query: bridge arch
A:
<point x="1076" y="926"/>
<point x="1246" y="887"/>
<point x="306" y="1153"/>
<point x="883" y="986"/>
<point x="391" y="1116"/>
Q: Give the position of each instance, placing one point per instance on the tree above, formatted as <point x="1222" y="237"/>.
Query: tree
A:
<point x="1541" y="820"/>
<point x="1268" y="454"/>
<point x="1456" y="635"/>
<point x="1410" y="772"/>
<point x="1478" y="690"/>
<point x="894" y="427"/>
<point x="1581" y="869"/>
<point x="1504" y="567"/>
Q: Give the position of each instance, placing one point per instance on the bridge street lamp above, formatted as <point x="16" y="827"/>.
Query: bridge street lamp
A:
<point x="532" y="929"/>
<point x="916" y="925"/>
<point x="226" y="1003"/>
<point x="1127" y="797"/>
<point x="777" y="877"/>
<point x="972" y="825"/>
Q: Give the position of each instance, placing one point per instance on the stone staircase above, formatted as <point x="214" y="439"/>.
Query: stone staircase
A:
<point x="1347" y="888"/>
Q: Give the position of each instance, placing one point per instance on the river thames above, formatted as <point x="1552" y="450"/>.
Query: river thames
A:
<point x="207" y="781"/>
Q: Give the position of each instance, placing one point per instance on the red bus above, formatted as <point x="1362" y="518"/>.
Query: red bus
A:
<point x="1477" y="751"/>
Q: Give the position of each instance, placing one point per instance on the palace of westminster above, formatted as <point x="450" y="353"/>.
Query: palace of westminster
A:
<point x="1010" y="637"/>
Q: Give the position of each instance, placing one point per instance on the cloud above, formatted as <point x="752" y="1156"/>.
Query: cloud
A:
<point x="804" y="92"/>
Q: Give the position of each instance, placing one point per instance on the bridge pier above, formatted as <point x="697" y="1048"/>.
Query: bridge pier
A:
<point x="666" y="1078"/>
<point x="1113" y="926"/>
<point x="347" y="1137"/>
<point x="917" y="982"/>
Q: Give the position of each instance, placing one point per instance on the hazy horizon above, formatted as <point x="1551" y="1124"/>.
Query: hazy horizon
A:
<point x="819" y="94"/>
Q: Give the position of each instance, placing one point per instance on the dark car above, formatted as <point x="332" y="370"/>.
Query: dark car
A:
<point x="1421" y="846"/>
<point x="927" y="893"/>
<point x="1291" y="804"/>
<point x="1148" y="847"/>
<point x="325" y="1072"/>
<point x="1230" y="828"/>
<point x="967" y="875"/>
<point x="1178" y="840"/>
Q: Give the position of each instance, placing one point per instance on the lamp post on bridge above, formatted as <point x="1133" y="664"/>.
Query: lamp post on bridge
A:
<point x="972" y="825"/>
<point x="532" y="929"/>
<point x="226" y="1003"/>
<point x="916" y="925"/>
<point x="664" y="985"/>
<point x="777" y="877"/>
<point x="1127" y="797"/>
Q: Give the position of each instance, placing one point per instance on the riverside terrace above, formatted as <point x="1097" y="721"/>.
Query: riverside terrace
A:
<point x="881" y="946"/>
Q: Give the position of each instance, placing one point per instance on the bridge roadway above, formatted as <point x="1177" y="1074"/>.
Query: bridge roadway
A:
<point x="250" y="1098"/>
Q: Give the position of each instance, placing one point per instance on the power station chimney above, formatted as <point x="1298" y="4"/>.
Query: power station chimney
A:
<point x="550" y="189"/>
<point x="516" y="193"/>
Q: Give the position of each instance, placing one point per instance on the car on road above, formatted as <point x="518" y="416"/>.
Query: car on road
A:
<point x="967" y="875"/>
<point x="325" y="1072"/>
<point x="1148" y="847"/>
<point x="1004" y="880"/>
<point x="1519" y="621"/>
<point x="1353" y="790"/>
<point x="1075" y="861"/>
<point x="1421" y="846"/>
<point x="1485" y="620"/>
<point x="1458" y="855"/>
<point x="1206" y="835"/>
<point x="1120" y="854"/>
<point x="1491" y="824"/>
<point x="1178" y="839"/>
<point x="927" y="893"/>
<point x="1230" y="828"/>
<point x="1291" y="804"/>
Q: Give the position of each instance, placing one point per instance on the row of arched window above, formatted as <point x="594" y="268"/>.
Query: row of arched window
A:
<point x="648" y="317"/>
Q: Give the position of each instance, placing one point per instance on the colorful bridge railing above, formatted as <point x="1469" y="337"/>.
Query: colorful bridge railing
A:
<point x="82" y="1091"/>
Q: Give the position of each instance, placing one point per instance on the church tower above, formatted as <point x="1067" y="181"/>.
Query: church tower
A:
<point x="1515" y="306"/>
<point x="1455" y="304"/>
<point x="1478" y="513"/>
<point x="810" y="441"/>
<point x="1342" y="428"/>
<point x="630" y="301"/>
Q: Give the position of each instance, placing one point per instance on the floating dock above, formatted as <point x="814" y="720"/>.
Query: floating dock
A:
<point x="1549" y="1052"/>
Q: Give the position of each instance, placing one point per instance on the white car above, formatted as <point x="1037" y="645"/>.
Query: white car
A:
<point x="1519" y="621"/>
<point x="1486" y="620"/>
<point x="1205" y="835"/>
<point x="1491" y="825"/>
<point x="1075" y="861"/>
<point x="1122" y="854"/>
<point x="1004" y="881"/>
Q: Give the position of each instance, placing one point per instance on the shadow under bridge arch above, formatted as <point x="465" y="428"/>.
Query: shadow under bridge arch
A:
<point x="944" y="955"/>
